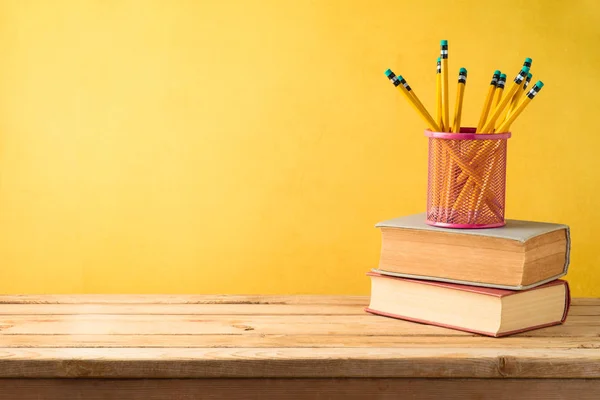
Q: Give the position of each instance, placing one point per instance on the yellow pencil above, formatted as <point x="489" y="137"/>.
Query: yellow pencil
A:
<point x="440" y="194"/>
<point x="450" y="181"/>
<point x="497" y="96"/>
<point x="517" y="97"/>
<point x="415" y="97"/>
<point x="503" y="128"/>
<point x="401" y="84"/>
<point x="438" y="94"/>
<point x="498" y="92"/>
<point x="475" y="205"/>
<point x="445" y="89"/>
<point x="460" y="94"/>
<point x="403" y="87"/>
<point x="474" y="153"/>
<point x="511" y="118"/>
<point x="494" y="96"/>
<point x="489" y="125"/>
<point x="488" y="101"/>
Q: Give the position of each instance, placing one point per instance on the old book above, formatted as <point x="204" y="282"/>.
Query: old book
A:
<point x="520" y="255"/>
<point x="487" y="311"/>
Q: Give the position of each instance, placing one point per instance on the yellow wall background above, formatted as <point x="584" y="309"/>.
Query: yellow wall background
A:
<point x="251" y="146"/>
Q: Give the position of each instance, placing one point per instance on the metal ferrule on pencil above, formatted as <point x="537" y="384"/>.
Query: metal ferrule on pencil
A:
<point x="534" y="90"/>
<point x="392" y="77"/>
<point x="522" y="75"/>
<point x="444" y="51"/>
<point x="501" y="84"/>
<point x="403" y="82"/>
<point x="527" y="80"/>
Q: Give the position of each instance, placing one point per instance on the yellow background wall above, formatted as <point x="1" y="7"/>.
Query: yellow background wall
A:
<point x="251" y="146"/>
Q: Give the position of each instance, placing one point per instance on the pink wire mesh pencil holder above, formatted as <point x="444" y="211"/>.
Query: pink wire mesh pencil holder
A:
<point x="466" y="183"/>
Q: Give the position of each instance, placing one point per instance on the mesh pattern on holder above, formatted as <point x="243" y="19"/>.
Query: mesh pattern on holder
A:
<point x="466" y="179"/>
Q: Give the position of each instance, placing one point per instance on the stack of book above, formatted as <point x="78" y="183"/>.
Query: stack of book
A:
<point x="493" y="282"/>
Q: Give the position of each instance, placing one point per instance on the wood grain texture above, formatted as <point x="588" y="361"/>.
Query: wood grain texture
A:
<point x="585" y="301"/>
<point x="205" y="309"/>
<point x="258" y="337"/>
<point x="373" y="362"/>
<point x="182" y="309"/>
<point x="288" y="389"/>
<point x="215" y="324"/>
<point x="299" y="341"/>
<point x="205" y="299"/>
<point x="182" y="299"/>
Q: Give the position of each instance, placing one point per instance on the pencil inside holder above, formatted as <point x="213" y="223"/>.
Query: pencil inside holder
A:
<point x="466" y="179"/>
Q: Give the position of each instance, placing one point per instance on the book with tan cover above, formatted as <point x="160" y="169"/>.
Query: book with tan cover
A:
<point x="518" y="256"/>
<point x="486" y="311"/>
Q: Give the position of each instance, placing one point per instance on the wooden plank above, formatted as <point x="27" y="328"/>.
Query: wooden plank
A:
<point x="183" y="299"/>
<point x="374" y="362"/>
<point x="298" y="341"/>
<point x="585" y="301"/>
<point x="183" y="309"/>
<point x="208" y="299"/>
<point x="288" y="389"/>
<point x="208" y="309"/>
<point x="584" y="310"/>
<point x="215" y="324"/>
<point x="366" y="324"/>
<point x="566" y="330"/>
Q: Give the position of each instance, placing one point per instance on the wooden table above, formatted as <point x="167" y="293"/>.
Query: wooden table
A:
<point x="188" y="347"/>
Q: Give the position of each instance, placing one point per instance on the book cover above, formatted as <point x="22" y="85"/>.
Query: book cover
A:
<point x="517" y="230"/>
<point x="495" y="292"/>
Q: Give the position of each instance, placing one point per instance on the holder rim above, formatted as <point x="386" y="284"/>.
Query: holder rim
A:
<point x="467" y="135"/>
<point x="465" y="226"/>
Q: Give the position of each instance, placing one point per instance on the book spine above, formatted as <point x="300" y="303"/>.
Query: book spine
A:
<point x="567" y="302"/>
<point x="568" y="250"/>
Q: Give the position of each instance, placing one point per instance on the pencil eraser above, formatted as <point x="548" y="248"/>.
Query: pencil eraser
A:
<point x="444" y="42"/>
<point x="463" y="71"/>
<point x="539" y="84"/>
<point x="497" y="72"/>
<point x="502" y="76"/>
<point x="439" y="59"/>
<point x="528" y="60"/>
<point x="529" y="75"/>
<point x="525" y="69"/>
<point x="399" y="77"/>
<point x="388" y="72"/>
